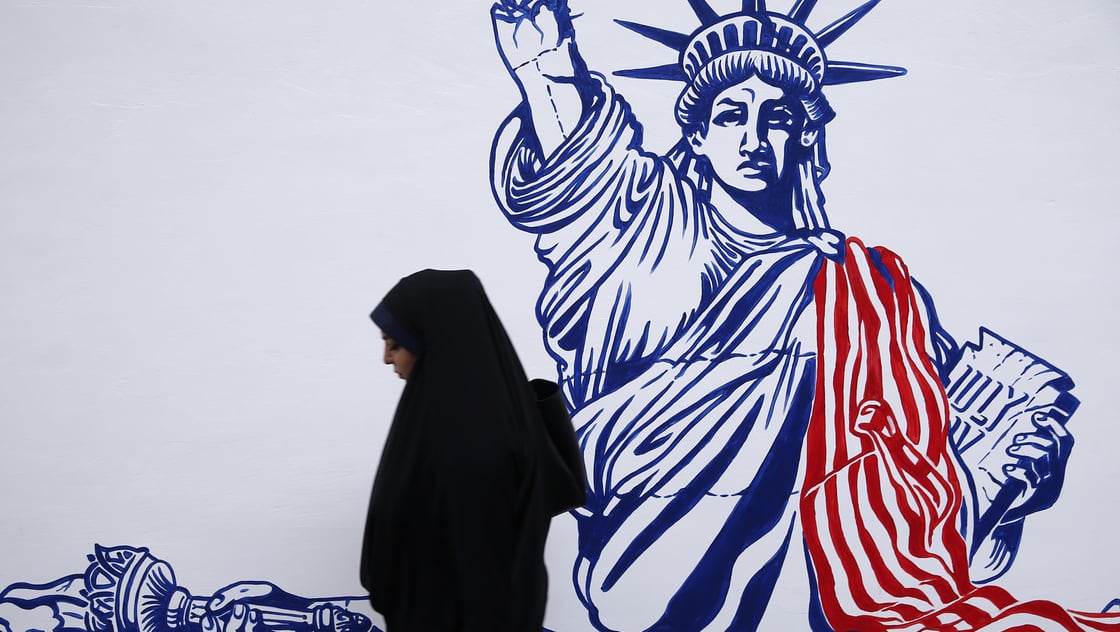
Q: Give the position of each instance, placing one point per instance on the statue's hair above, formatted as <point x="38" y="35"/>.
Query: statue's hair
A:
<point x="695" y="103"/>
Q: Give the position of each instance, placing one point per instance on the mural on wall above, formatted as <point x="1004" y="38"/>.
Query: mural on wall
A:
<point x="758" y="393"/>
<point x="127" y="589"/>
<point x="754" y="390"/>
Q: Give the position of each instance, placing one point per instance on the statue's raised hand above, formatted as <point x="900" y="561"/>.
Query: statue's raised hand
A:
<point x="524" y="29"/>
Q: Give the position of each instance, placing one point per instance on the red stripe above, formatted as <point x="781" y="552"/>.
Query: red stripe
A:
<point x="916" y="550"/>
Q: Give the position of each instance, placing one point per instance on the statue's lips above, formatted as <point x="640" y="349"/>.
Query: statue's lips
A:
<point x="752" y="168"/>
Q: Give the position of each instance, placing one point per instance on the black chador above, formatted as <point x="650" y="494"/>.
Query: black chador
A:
<point x="471" y="472"/>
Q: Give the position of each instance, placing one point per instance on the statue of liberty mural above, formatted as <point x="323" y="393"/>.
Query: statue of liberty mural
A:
<point x="755" y="393"/>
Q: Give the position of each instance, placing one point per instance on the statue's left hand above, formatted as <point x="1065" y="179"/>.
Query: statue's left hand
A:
<point x="1040" y="465"/>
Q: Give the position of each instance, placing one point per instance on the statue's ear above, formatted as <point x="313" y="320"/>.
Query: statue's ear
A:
<point x="696" y="140"/>
<point x="809" y="135"/>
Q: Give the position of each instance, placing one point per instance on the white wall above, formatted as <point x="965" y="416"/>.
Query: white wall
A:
<point x="200" y="201"/>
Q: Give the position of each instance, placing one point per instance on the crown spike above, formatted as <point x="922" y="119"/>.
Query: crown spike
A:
<point x="754" y="7"/>
<point x="833" y="31"/>
<point x="801" y="10"/>
<point x="665" y="72"/>
<point x="672" y="39"/>
<point x="840" y="72"/>
<point x="705" y="12"/>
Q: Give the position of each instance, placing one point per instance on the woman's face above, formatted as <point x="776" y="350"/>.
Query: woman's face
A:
<point x="402" y="359"/>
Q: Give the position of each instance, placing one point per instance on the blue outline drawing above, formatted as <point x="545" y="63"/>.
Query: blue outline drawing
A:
<point x="685" y="302"/>
<point x="127" y="589"/>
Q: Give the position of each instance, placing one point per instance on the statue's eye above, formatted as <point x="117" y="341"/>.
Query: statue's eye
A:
<point x="781" y="117"/>
<point x="731" y="116"/>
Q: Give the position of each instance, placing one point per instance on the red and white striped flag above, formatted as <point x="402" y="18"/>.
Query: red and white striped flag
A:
<point x="881" y="497"/>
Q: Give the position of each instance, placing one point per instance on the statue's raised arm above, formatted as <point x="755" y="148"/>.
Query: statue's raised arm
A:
<point x="537" y="44"/>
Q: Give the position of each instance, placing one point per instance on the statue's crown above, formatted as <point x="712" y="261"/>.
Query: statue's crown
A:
<point x="750" y="32"/>
<point x="755" y="29"/>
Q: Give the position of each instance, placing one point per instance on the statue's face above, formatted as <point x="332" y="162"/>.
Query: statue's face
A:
<point x="748" y="135"/>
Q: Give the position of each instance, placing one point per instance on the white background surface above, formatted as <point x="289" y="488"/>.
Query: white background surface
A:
<point x="201" y="201"/>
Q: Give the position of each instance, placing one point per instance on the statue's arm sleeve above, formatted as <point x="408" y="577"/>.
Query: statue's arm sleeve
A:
<point x="599" y="178"/>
